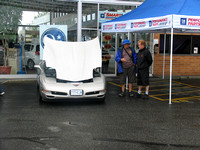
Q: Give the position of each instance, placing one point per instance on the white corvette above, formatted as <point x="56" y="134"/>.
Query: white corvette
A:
<point x="52" y="89"/>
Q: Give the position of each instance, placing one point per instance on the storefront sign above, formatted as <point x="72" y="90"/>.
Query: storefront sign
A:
<point x="107" y="16"/>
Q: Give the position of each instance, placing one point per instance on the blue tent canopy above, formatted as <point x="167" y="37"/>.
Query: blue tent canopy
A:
<point x="164" y="13"/>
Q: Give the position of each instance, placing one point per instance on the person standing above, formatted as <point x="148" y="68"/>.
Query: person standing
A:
<point x="126" y="59"/>
<point x="144" y="61"/>
<point x="1" y="90"/>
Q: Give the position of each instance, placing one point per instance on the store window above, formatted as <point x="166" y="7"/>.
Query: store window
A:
<point x="182" y="44"/>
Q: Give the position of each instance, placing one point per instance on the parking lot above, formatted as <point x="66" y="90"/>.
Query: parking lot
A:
<point x="185" y="90"/>
<point x="119" y="123"/>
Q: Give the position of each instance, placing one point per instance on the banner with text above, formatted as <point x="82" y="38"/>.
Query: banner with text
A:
<point x="137" y="25"/>
<point x="107" y="15"/>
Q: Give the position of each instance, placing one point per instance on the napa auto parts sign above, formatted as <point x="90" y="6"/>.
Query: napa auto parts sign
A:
<point x="107" y="16"/>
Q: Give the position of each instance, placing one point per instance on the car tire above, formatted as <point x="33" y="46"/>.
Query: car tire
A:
<point x="39" y="95"/>
<point x="30" y="64"/>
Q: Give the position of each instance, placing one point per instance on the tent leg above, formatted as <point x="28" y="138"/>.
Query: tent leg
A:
<point x="170" y="82"/>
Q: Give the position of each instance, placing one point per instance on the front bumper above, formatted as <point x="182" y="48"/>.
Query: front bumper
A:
<point x="52" y="95"/>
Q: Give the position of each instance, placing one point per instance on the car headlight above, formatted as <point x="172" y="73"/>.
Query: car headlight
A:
<point x="103" y="91"/>
<point x="46" y="92"/>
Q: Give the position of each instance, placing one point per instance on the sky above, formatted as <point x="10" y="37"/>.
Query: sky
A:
<point x="28" y="16"/>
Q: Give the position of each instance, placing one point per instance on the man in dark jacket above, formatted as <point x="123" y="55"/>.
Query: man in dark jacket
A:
<point x="126" y="59"/>
<point x="144" y="61"/>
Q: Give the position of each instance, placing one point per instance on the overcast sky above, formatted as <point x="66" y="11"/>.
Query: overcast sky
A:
<point x="28" y="16"/>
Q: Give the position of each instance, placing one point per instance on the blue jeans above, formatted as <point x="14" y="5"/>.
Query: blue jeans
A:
<point x="1" y="88"/>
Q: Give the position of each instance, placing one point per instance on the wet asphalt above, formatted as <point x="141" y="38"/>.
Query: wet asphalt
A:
<point x="117" y="124"/>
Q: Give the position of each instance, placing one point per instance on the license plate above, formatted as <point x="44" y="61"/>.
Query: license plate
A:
<point x="76" y="92"/>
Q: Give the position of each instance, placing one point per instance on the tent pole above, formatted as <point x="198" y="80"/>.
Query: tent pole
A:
<point x="170" y="84"/>
<point x="164" y="56"/>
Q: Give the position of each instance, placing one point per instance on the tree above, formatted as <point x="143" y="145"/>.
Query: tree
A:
<point x="10" y="18"/>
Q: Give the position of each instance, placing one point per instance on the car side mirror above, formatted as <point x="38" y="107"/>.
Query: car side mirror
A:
<point x="39" y="69"/>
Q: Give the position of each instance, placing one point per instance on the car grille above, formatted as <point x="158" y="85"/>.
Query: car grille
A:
<point x="92" y="93"/>
<point x="59" y="93"/>
<point x="66" y="81"/>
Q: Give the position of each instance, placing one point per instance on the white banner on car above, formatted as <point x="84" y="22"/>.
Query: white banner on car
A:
<point x="55" y="32"/>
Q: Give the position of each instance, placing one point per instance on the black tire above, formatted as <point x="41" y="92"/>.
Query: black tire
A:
<point x="38" y="94"/>
<point x="30" y="64"/>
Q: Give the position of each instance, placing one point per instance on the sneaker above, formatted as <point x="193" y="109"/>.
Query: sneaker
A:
<point x="146" y="96"/>
<point x="2" y="93"/>
<point x="138" y="95"/>
<point x="121" y="94"/>
<point x="131" y="94"/>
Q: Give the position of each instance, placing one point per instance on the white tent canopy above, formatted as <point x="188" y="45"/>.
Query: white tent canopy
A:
<point x="180" y="16"/>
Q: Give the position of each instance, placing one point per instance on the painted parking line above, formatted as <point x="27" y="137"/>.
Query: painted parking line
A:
<point x="187" y="84"/>
<point x="186" y="99"/>
<point x="168" y="88"/>
<point x="4" y="82"/>
<point x="175" y="100"/>
<point x="137" y="91"/>
<point x="176" y="93"/>
<point x="159" y="85"/>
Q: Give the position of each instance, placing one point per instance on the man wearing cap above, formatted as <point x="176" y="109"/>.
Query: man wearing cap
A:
<point x="126" y="59"/>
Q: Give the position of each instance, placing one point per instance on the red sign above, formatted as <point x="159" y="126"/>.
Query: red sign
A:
<point x="193" y="21"/>
<point x="107" y="46"/>
<point x="107" y="37"/>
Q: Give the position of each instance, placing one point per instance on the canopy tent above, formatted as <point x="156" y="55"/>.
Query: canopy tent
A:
<point x="159" y="16"/>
